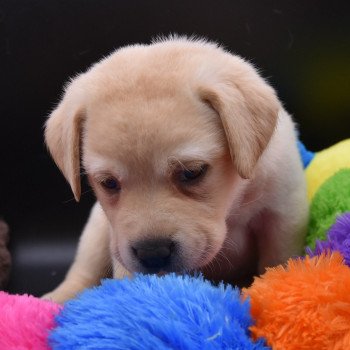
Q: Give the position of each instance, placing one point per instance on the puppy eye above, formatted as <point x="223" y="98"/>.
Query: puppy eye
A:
<point x="111" y="184"/>
<point x="191" y="176"/>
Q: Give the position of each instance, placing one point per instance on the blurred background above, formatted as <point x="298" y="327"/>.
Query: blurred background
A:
<point x="301" y="47"/>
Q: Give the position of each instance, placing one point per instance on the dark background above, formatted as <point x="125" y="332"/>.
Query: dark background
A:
<point x="302" y="47"/>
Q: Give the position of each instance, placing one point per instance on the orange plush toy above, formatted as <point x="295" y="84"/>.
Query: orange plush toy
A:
<point x="304" y="305"/>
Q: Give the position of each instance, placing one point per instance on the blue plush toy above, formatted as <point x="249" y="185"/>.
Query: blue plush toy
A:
<point x="148" y="312"/>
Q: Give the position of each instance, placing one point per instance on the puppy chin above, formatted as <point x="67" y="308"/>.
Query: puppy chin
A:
<point x="160" y="271"/>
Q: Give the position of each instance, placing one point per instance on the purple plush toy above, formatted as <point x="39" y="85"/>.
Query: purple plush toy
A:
<point x="338" y="239"/>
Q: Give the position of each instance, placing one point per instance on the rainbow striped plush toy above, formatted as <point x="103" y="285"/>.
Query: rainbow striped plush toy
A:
<point x="328" y="181"/>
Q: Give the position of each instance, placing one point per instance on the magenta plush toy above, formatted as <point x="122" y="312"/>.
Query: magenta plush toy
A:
<point x="25" y="322"/>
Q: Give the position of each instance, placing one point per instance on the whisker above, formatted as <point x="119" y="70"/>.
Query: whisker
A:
<point x="252" y="201"/>
<point x="242" y="205"/>
<point x="73" y="199"/>
<point x="233" y="246"/>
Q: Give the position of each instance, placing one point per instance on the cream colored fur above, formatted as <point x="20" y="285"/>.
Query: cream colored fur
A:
<point x="147" y="111"/>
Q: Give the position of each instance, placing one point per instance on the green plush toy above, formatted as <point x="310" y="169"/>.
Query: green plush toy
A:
<point x="331" y="200"/>
<point x="328" y="181"/>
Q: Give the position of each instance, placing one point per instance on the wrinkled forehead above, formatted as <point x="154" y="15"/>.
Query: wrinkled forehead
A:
<point x="138" y="130"/>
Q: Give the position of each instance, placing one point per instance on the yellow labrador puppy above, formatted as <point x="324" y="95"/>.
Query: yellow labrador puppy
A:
<point x="193" y="161"/>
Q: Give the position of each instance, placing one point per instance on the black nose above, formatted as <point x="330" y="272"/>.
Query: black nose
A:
<point x="154" y="254"/>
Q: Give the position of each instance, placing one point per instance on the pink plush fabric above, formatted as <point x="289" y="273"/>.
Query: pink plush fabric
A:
<point x="25" y="322"/>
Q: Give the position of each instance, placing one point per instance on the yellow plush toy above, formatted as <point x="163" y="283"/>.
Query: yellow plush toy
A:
<point x="325" y="164"/>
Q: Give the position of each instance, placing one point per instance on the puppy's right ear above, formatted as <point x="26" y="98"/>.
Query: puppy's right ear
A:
<point x="63" y="136"/>
<point x="247" y="106"/>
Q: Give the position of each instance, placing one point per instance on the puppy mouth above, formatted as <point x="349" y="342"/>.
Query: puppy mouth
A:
<point x="160" y="268"/>
<point x="176" y="265"/>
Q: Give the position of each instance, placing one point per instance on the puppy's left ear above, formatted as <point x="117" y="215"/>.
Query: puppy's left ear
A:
<point x="248" y="108"/>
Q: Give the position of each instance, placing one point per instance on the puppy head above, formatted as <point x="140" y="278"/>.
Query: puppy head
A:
<point x="166" y="133"/>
